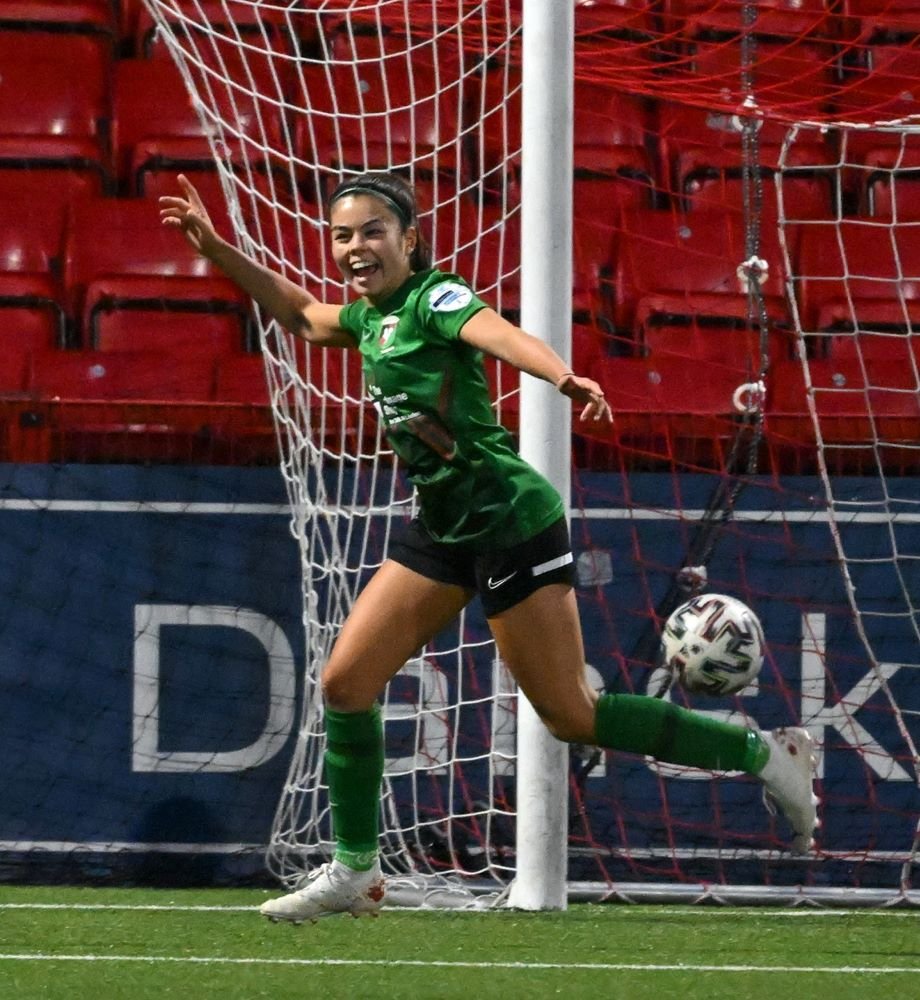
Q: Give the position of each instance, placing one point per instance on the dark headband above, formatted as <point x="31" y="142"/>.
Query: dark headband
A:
<point x="359" y="188"/>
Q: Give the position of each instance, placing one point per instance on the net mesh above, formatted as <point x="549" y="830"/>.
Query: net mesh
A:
<point x="744" y="288"/>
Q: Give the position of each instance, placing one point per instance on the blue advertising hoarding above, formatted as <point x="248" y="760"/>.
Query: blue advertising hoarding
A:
<point x="152" y="651"/>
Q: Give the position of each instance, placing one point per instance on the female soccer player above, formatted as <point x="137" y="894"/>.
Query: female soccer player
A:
<point x="489" y="524"/>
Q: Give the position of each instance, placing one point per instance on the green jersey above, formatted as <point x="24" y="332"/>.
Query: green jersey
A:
<point x="429" y="388"/>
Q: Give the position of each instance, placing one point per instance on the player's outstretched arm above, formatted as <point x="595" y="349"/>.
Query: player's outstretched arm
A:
<point x="290" y="305"/>
<point x="494" y="335"/>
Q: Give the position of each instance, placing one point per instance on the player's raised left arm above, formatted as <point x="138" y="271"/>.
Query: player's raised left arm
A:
<point x="494" y="335"/>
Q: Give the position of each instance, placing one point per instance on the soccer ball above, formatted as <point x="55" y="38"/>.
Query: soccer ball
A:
<point x="714" y="644"/>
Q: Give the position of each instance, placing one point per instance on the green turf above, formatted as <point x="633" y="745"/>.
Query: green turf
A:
<point x="650" y="953"/>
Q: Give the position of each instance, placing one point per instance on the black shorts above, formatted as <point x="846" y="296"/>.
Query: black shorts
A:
<point x="502" y="577"/>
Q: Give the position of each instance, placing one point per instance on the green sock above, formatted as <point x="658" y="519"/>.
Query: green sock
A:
<point x="667" y="732"/>
<point x="354" y="770"/>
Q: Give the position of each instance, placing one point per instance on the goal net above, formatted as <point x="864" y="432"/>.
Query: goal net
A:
<point x="745" y="285"/>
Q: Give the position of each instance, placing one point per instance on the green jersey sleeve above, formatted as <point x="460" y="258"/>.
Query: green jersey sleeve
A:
<point x="446" y="305"/>
<point x="351" y="318"/>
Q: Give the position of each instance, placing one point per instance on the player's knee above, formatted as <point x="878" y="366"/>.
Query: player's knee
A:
<point x="343" y="693"/>
<point x="568" y="725"/>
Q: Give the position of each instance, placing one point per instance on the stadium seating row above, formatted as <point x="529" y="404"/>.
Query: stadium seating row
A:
<point x="105" y="275"/>
<point x="130" y="23"/>
<point x="117" y="122"/>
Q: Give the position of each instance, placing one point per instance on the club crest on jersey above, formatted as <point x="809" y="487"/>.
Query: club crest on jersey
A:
<point x="387" y="331"/>
<point x="449" y="297"/>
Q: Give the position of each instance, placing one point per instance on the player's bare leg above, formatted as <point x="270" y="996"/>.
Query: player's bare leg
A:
<point x="541" y="644"/>
<point x="396" y="614"/>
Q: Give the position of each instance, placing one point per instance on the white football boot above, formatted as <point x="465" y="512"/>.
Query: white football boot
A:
<point x="332" y="888"/>
<point x="788" y="783"/>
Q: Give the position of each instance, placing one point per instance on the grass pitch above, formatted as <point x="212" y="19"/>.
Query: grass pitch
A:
<point x="74" y="943"/>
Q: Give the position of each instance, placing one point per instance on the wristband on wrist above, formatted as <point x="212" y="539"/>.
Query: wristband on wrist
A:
<point x="562" y="378"/>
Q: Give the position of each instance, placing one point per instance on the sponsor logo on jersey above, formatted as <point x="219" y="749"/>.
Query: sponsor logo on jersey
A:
<point x="387" y="330"/>
<point x="449" y="297"/>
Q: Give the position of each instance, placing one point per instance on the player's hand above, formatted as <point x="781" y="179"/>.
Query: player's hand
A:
<point x="189" y="215"/>
<point x="587" y="391"/>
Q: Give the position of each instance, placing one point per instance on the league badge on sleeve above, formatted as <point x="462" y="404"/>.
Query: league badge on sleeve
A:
<point x="449" y="296"/>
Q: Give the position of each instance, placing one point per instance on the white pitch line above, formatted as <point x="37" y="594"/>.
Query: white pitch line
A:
<point x="846" y="970"/>
<point x="136" y="907"/>
<point x="689" y="911"/>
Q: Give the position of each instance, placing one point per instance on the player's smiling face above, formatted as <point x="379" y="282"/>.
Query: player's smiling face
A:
<point x="370" y="247"/>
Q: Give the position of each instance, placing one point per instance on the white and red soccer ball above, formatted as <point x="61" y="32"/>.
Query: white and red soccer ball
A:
<point x="713" y="644"/>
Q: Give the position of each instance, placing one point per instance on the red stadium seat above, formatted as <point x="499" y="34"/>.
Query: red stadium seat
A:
<point x="154" y="122"/>
<point x="889" y="186"/>
<point x="611" y="131"/>
<point x="119" y="256"/>
<point x="157" y="132"/>
<point x="260" y="27"/>
<point x="776" y="18"/>
<point x="874" y="18"/>
<point x="492" y="264"/>
<point x="449" y="218"/>
<point x="240" y="378"/>
<point x="54" y="101"/>
<point x="847" y="271"/>
<point x="722" y="341"/>
<point x="598" y="21"/>
<point x="624" y="31"/>
<point x="855" y="403"/>
<point x="380" y="118"/>
<point x="701" y="152"/>
<point x="668" y="263"/>
<point x="794" y="76"/>
<point x="663" y="406"/>
<point x="381" y="31"/>
<point x="31" y="311"/>
<point x="137" y="375"/>
<point x="897" y="344"/>
<point x="88" y="406"/>
<point x="85" y="16"/>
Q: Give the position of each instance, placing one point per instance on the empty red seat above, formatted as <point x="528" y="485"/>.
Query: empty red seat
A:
<point x="450" y="218"/>
<point x="776" y="18"/>
<point x="796" y="77"/>
<point x="381" y="114"/>
<point x="714" y="341"/>
<point x="54" y="100"/>
<point x="598" y="21"/>
<point x="611" y="129"/>
<point x="214" y="28"/>
<point x="663" y="408"/>
<point x="119" y="257"/>
<point x="130" y="376"/>
<point x="31" y="244"/>
<point x="691" y="264"/>
<point x="855" y="403"/>
<point x="621" y="33"/>
<point x="155" y="123"/>
<point x="896" y="344"/>
<point x="85" y="16"/>
<point x="847" y="271"/>
<point x="702" y="157"/>
<point x="492" y="264"/>
<point x="882" y="17"/>
<point x="889" y="183"/>
<point x="89" y="406"/>
<point x="157" y="132"/>
<point x="883" y="88"/>
<point x="240" y="378"/>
